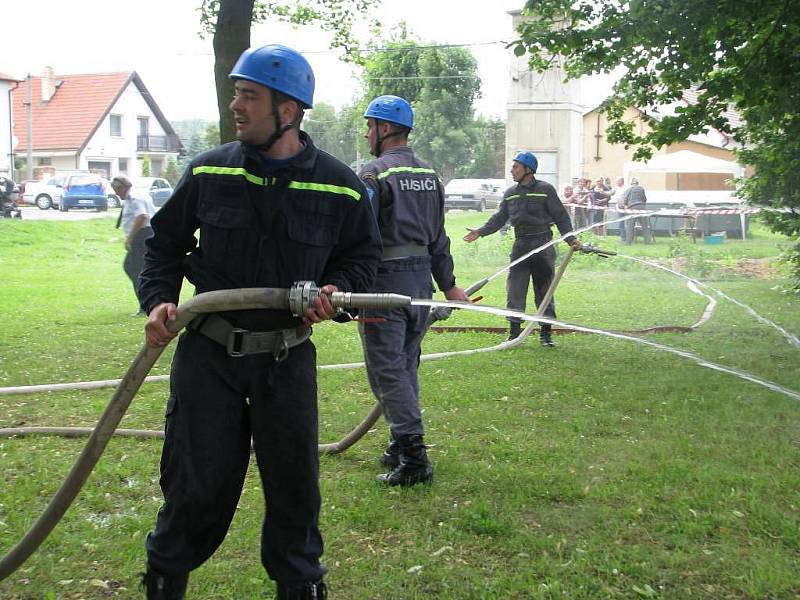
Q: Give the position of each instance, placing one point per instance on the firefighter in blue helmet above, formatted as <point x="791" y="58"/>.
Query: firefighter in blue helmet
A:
<point x="270" y="209"/>
<point x="531" y="207"/>
<point x="408" y="200"/>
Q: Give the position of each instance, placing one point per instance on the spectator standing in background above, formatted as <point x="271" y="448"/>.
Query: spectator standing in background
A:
<point x="616" y="195"/>
<point x="634" y="198"/>
<point x="134" y="217"/>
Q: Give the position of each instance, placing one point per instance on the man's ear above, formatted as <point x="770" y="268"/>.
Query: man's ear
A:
<point x="384" y="128"/>
<point x="289" y="112"/>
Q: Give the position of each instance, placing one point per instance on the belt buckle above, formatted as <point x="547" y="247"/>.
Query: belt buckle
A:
<point x="236" y="342"/>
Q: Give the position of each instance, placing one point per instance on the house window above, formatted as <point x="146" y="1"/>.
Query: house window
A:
<point x="44" y="161"/>
<point x="116" y="125"/>
<point x="144" y="126"/>
<point x="123" y="165"/>
<point x="156" y="166"/>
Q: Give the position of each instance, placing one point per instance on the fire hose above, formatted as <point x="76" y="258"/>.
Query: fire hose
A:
<point x="297" y="298"/>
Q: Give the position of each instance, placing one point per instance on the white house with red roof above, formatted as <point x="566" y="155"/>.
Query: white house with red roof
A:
<point x="102" y="122"/>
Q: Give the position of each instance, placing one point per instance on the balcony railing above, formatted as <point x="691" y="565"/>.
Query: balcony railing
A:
<point x="157" y="143"/>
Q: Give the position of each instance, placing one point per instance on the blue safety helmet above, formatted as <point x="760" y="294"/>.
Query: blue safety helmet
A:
<point x="527" y="159"/>
<point x="279" y="68"/>
<point x="392" y="109"/>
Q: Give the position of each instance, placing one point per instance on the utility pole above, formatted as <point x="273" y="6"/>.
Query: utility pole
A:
<point x="29" y="104"/>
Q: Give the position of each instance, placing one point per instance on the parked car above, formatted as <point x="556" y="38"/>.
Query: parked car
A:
<point x="84" y="190"/>
<point x="45" y="194"/>
<point x="23" y="185"/>
<point x="499" y="185"/>
<point x="477" y="194"/>
<point x="159" y="188"/>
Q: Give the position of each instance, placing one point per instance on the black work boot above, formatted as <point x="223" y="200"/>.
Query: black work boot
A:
<point x="309" y="590"/>
<point x="164" y="587"/>
<point x="514" y="329"/>
<point x="414" y="466"/>
<point x="545" y="338"/>
<point x="391" y="456"/>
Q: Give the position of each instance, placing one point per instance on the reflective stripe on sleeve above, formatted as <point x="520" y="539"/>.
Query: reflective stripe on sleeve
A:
<point x="229" y="171"/>
<point x="296" y="185"/>
<point x="526" y="195"/>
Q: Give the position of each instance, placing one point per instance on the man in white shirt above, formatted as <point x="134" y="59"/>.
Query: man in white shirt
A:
<point x="135" y="220"/>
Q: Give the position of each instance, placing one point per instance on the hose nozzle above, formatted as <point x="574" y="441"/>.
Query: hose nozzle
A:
<point x="590" y="249"/>
<point x="303" y="294"/>
<point x="375" y="301"/>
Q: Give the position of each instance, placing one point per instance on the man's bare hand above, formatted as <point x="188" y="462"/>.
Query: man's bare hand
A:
<point x="456" y="294"/>
<point x="322" y="309"/>
<point x="155" y="330"/>
<point x="472" y="235"/>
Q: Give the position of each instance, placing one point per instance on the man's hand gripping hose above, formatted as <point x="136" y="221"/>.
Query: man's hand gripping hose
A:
<point x="296" y="299"/>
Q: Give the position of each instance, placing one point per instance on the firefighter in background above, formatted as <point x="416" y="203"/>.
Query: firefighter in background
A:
<point x="531" y="206"/>
<point x="408" y="199"/>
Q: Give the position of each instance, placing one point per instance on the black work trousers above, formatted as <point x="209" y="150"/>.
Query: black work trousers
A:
<point x="216" y="404"/>
<point x="539" y="268"/>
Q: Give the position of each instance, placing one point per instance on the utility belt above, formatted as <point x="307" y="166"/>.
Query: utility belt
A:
<point x="531" y="230"/>
<point x="404" y="251"/>
<point x="241" y="342"/>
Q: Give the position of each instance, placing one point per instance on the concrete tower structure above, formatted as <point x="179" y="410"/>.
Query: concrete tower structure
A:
<point x="545" y="116"/>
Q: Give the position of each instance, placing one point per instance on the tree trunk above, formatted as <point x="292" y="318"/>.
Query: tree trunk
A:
<point x="231" y="38"/>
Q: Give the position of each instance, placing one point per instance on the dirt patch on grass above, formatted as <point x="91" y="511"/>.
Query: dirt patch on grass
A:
<point x="758" y="268"/>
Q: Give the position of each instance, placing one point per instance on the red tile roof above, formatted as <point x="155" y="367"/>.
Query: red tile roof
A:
<point x="731" y="114"/>
<point x="74" y="112"/>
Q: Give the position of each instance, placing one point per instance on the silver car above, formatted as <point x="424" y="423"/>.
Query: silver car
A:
<point x="476" y="194"/>
<point x="159" y="188"/>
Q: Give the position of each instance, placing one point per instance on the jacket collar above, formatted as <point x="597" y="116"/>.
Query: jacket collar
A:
<point x="527" y="185"/>
<point x="305" y="160"/>
<point x="396" y="150"/>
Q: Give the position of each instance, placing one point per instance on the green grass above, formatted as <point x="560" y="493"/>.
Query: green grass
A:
<point x="603" y="469"/>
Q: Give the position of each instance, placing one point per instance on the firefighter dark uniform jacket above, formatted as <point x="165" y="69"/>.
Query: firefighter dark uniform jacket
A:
<point x="307" y="220"/>
<point x="408" y="199"/>
<point x="531" y="209"/>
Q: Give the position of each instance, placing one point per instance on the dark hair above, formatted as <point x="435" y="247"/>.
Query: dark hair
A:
<point x="121" y="180"/>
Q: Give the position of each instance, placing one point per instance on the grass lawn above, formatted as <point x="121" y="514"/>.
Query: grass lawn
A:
<point x="600" y="469"/>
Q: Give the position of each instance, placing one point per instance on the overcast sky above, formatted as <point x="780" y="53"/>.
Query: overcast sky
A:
<point x="159" y="39"/>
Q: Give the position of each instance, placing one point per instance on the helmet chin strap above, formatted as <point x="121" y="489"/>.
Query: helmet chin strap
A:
<point x="379" y="139"/>
<point x="279" y="129"/>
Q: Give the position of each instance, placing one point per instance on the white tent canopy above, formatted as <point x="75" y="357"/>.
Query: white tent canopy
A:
<point x="683" y="161"/>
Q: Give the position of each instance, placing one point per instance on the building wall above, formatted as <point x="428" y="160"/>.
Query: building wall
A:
<point x="544" y="116"/>
<point x="5" y="128"/>
<point x="602" y="159"/>
<point x="105" y="148"/>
